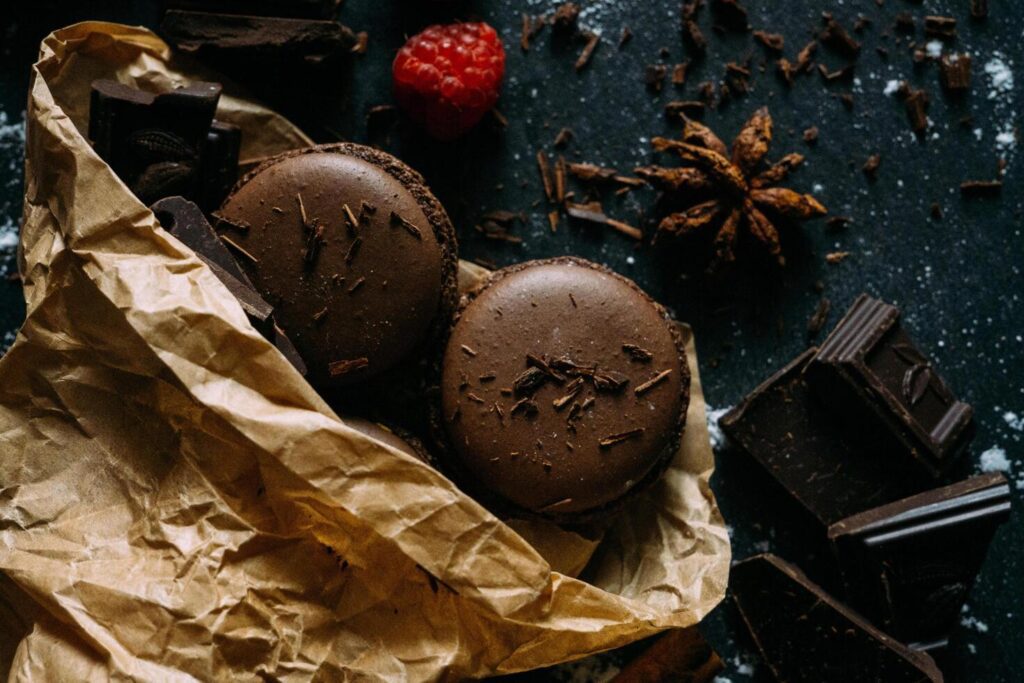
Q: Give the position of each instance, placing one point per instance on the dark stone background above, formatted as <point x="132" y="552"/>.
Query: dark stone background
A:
<point x="958" y="280"/>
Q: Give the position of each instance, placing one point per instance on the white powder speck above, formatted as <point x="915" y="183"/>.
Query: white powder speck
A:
<point x="630" y="260"/>
<point x="891" y="87"/>
<point x="995" y="460"/>
<point x="934" y="48"/>
<point x="973" y="623"/>
<point x="1014" y="421"/>
<point x="972" y="648"/>
<point x="818" y="187"/>
<point x="977" y="134"/>
<point x="714" y="431"/>
<point x="721" y="679"/>
<point x="1000" y="75"/>
<point x="1006" y="137"/>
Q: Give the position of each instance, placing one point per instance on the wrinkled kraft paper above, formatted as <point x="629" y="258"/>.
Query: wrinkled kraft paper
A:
<point x="170" y="486"/>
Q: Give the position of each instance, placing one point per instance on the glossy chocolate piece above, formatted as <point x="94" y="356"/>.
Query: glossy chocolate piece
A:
<point x="308" y="9"/>
<point x="153" y="141"/>
<point x="564" y="388"/>
<point x="679" y="656"/>
<point x="806" y="635"/>
<point x="353" y="251"/>
<point x="795" y="438"/>
<point x="909" y="565"/>
<point x="186" y="221"/>
<point x="887" y="392"/>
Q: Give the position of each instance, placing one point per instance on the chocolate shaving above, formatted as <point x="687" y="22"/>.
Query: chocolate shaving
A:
<point x="588" y="50"/>
<point x="837" y="257"/>
<point x="773" y="41"/>
<point x="553" y="217"/>
<point x="609" y="381"/>
<point x="980" y="188"/>
<point x="361" y="44"/>
<point x="573" y="389"/>
<point x="410" y="228"/>
<point x="468" y="350"/>
<point x="652" y="382"/>
<point x="565" y="16"/>
<point x="529" y="381"/>
<point x="525" y="406"/>
<point x="625" y="37"/>
<point x="302" y="210"/>
<point x="955" y="73"/>
<point x="916" y="103"/>
<point x="592" y="173"/>
<point x="654" y="76"/>
<point x="353" y="249"/>
<point x="811" y="135"/>
<point x="313" y="243"/>
<point x="844" y="74"/>
<point x="238" y="249"/>
<point x="560" y="179"/>
<point x="679" y="74"/>
<point x="609" y="441"/>
<point x="637" y="353"/>
<point x="356" y="285"/>
<point x="684" y="108"/>
<point x="940" y="27"/>
<point x="320" y="315"/>
<point x="544" y="166"/>
<point x="563" y="138"/>
<point x="836" y="37"/>
<point x="870" y="167"/>
<point x="350" y="219"/>
<point x="592" y="213"/>
<point x="473" y="397"/>
<point x="818" y="319"/>
<point x="344" y="367"/>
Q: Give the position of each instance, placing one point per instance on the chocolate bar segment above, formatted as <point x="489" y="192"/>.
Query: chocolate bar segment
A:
<point x="219" y="163"/>
<point x="804" y="634"/>
<point x="909" y="565"/>
<point x="793" y="436"/>
<point x="308" y="9"/>
<point x="887" y="391"/>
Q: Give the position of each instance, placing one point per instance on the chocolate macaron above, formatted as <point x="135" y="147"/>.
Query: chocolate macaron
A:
<point x="357" y="257"/>
<point x="563" y="390"/>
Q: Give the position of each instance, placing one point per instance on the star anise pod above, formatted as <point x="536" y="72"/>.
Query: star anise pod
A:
<point x="730" y="193"/>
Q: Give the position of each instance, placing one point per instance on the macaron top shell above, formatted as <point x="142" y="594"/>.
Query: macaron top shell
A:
<point x="354" y="253"/>
<point x="563" y="386"/>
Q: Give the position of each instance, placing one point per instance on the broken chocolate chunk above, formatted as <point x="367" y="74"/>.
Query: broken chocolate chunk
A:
<point x="679" y="655"/>
<point x="955" y="73"/>
<point x="805" y="634"/>
<point x="910" y="565"/>
<point x="886" y="390"/>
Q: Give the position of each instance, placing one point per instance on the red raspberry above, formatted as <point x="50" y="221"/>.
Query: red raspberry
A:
<point x="447" y="77"/>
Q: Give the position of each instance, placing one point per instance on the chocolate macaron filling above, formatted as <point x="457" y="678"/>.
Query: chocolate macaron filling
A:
<point x="354" y="253"/>
<point x="564" y="389"/>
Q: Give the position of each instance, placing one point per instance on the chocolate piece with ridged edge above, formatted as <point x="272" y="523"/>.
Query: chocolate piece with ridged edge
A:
<point x="795" y="438"/>
<point x="909" y="565"/>
<point x="886" y="391"/>
<point x="806" y="635"/>
<point x="308" y="9"/>
<point x="545" y="405"/>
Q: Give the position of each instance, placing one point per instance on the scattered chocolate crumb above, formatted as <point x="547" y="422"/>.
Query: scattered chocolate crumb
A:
<point x="531" y="27"/>
<point x="564" y="19"/>
<point x="467" y="350"/>
<point x="836" y="37"/>
<point x="847" y="99"/>
<point x="356" y="285"/>
<point x="803" y="58"/>
<point x="981" y="188"/>
<point x="905" y="23"/>
<point x="837" y="256"/>
<point x="916" y="103"/>
<point x="350" y="219"/>
<point x="955" y="73"/>
<point x="936" y="211"/>
<point x="238" y="249"/>
<point x="593" y="213"/>
<point x="654" y="76"/>
<point x="560" y="179"/>
<point x="940" y="27"/>
<point x="652" y="382"/>
<point x="320" y="315"/>
<point x="362" y="41"/>
<point x="679" y="74"/>
<point x="525" y="406"/>
<point x="529" y="381"/>
<point x="609" y="381"/>
<point x="773" y="41"/>
<point x="637" y="353"/>
<point x="862" y="23"/>
<point x="302" y="210"/>
<point x="870" y="167"/>
<point x="563" y="138"/>
<point x="590" y="173"/>
<point x="979" y="9"/>
<point x="691" y="31"/>
<point x="344" y="367"/>
<point x="588" y="50"/>
<point x="545" y="175"/>
<point x="473" y="397"/>
<point x="397" y="219"/>
<point x="835" y="223"/>
<point x="811" y="135"/>
<point x="553" y="217"/>
<point x="818" y="319"/>
<point x="683" y="108"/>
<point x="843" y="74"/>
<point x="609" y="441"/>
<point x="573" y="300"/>
<point x="625" y="37"/>
<point x="572" y="390"/>
<point x="501" y="120"/>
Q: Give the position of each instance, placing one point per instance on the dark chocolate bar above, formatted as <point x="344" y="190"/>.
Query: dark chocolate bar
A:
<point x="887" y="392"/>
<point x="249" y="44"/>
<point x="804" y="634"/>
<point x="682" y="654"/>
<point x="792" y="435"/>
<point x="153" y="141"/>
<point x="220" y="163"/>
<point x="909" y="565"/>
<point x="307" y="9"/>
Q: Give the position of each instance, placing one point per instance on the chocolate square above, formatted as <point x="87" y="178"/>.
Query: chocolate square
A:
<point x="909" y="565"/>
<point x="804" y="634"/>
<point x="793" y="436"/>
<point x="887" y="392"/>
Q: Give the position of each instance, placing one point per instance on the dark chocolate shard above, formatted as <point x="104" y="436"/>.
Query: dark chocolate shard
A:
<point x="806" y="635"/>
<point x="910" y="565"/>
<point x="308" y="9"/>
<point x="796" y="439"/>
<point x="186" y="221"/>
<point x="219" y="163"/>
<point x="259" y="312"/>
<point x="862" y="370"/>
<point x="682" y="654"/>
<point x="154" y="142"/>
<point x="288" y="350"/>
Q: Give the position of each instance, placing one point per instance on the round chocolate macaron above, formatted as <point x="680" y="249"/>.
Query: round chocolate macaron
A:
<point x="564" y="389"/>
<point x="352" y="250"/>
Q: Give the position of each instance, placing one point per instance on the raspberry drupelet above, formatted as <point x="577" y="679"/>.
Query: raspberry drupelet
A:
<point x="447" y="77"/>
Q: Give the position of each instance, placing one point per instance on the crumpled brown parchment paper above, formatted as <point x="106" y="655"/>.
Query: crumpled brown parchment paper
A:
<point x="169" y="484"/>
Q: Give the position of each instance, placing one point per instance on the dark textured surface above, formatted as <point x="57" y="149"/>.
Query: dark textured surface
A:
<point x="958" y="280"/>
